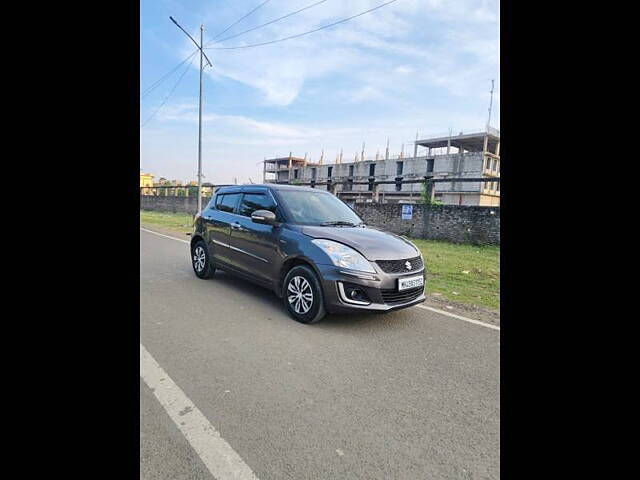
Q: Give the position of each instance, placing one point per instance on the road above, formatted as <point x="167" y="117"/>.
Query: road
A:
<point x="413" y="394"/>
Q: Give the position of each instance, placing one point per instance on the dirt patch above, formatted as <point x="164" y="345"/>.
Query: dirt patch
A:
<point x="474" y="312"/>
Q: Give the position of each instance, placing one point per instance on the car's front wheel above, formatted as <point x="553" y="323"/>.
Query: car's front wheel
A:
<point x="201" y="260"/>
<point x="303" y="295"/>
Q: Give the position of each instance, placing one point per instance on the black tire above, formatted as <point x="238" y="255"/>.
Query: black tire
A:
<point x="316" y="310"/>
<point x="202" y="270"/>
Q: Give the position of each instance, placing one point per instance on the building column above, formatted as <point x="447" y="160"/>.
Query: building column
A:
<point x="376" y="193"/>
<point x="498" y="148"/>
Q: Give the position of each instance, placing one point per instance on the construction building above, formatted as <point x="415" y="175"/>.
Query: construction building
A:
<point x="471" y="155"/>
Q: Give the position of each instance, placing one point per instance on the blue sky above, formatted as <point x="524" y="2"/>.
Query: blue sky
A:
<point x="415" y="65"/>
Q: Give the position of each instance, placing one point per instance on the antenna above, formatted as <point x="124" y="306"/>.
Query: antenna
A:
<point x="490" y="105"/>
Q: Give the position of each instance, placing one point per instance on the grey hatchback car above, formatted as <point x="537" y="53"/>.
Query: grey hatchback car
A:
<point x="309" y="247"/>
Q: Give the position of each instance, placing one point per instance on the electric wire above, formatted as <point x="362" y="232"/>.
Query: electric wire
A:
<point x="304" y="33"/>
<point x="268" y="23"/>
<point x="239" y="20"/>
<point x="164" y="77"/>
<point x="168" y="96"/>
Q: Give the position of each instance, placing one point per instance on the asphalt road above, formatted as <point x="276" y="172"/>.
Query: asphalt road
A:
<point x="408" y="395"/>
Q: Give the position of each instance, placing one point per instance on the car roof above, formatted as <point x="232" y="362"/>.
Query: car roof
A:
<point x="261" y="187"/>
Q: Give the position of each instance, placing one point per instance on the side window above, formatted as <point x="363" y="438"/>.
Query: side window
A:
<point x="256" y="201"/>
<point x="228" y="202"/>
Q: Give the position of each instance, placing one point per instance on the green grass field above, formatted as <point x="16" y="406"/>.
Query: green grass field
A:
<point x="174" y="222"/>
<point x="466" y="274"/>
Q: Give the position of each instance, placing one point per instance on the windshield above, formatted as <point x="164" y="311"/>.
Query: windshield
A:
<point x="310" y="208"/>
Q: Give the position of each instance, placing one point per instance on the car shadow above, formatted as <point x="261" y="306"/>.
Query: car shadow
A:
<point x="343" y="322"/>
<point x="258" y="293"/>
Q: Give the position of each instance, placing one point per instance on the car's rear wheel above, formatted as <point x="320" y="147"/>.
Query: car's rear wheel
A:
<point x="303" y="295"/>
<point x="201" y="260"/>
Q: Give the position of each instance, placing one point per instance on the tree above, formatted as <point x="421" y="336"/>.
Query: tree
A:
<point x="427" y="189"/>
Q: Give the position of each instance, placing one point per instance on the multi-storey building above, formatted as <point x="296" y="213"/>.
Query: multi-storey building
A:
<point x="146" y="181"/>
<point x="472" y="155"/>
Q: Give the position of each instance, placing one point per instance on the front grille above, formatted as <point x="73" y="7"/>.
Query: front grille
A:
<point x="399" y="266"/>
<point x="392" y="295"/>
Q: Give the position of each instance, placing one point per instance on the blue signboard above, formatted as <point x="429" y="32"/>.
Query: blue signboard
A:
<point x="407" y="212"/>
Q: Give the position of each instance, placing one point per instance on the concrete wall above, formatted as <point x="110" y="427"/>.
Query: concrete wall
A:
<point x="463" y="224"/>
<point x="455" y="223"/>
<point x="171" y="204"/>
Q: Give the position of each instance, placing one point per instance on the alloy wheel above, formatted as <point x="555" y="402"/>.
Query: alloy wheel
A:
<point x="300" y="295"/>
<point x="199" y="259"/>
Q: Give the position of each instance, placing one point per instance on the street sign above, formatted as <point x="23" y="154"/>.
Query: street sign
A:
<point x="407" y="212"/>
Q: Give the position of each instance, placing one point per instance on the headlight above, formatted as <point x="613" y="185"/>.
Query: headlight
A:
<point x="343" y="256"/>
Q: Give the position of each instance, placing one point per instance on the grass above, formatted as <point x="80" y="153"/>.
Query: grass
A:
<point x="467" y="274"/>
<point x="180" y="223"/>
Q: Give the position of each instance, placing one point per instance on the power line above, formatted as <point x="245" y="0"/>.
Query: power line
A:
<point x="158" y="82"/>
<point x="268" y="23"/>
<point x="305" y="33"/>
<point x="168" y="96"/>
<point x="238" y="21"/>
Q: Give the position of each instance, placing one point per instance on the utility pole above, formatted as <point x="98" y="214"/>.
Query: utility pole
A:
<point x="202" y="54"/>
<point x="200" y="128"/>
<point x="490" y="105"/>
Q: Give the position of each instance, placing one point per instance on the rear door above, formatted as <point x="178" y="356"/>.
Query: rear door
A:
<point x="218" y="218"/>
<point x="255" y="246"/>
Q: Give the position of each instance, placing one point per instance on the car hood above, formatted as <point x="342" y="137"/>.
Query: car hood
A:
<point x="372" y="243"/>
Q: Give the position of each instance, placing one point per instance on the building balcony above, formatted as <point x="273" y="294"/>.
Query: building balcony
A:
<point x="275" y="168"/>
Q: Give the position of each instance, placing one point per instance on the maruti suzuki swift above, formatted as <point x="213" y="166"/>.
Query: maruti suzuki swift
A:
<point x="309" y="247"/>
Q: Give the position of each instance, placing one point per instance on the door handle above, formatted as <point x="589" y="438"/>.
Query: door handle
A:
<point x="236" y="226"/>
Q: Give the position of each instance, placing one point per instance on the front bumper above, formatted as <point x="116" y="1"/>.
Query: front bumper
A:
<point x="381" y="290"/>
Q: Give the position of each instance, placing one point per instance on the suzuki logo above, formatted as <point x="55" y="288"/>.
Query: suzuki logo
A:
<point x="408" y="265"/>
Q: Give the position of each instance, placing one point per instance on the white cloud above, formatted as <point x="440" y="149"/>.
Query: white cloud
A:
<point x="366" y="47"/>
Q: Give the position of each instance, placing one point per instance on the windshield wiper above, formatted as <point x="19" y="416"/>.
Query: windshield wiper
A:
<point x="339" y="222"/>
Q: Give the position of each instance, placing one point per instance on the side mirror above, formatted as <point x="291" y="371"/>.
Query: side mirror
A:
<point x="265" y="217"/>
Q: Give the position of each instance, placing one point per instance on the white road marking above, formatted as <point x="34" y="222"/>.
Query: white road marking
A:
<point x="442" y="312"/>
<point x="218" y="456"/>
<point x="459" y="317"/>
<point x="163" y="235"/>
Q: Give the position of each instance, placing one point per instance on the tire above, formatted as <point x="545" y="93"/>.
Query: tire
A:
<point x="201" y="260"/>
<point x="301" y="282"/>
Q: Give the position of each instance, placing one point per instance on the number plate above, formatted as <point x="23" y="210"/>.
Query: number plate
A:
<point x="410" y="282"/>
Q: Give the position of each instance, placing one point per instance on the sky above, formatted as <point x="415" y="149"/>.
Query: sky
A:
<point x="414" y="66"/>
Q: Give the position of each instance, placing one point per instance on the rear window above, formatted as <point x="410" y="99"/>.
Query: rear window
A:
<point x="227" y="202"/>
